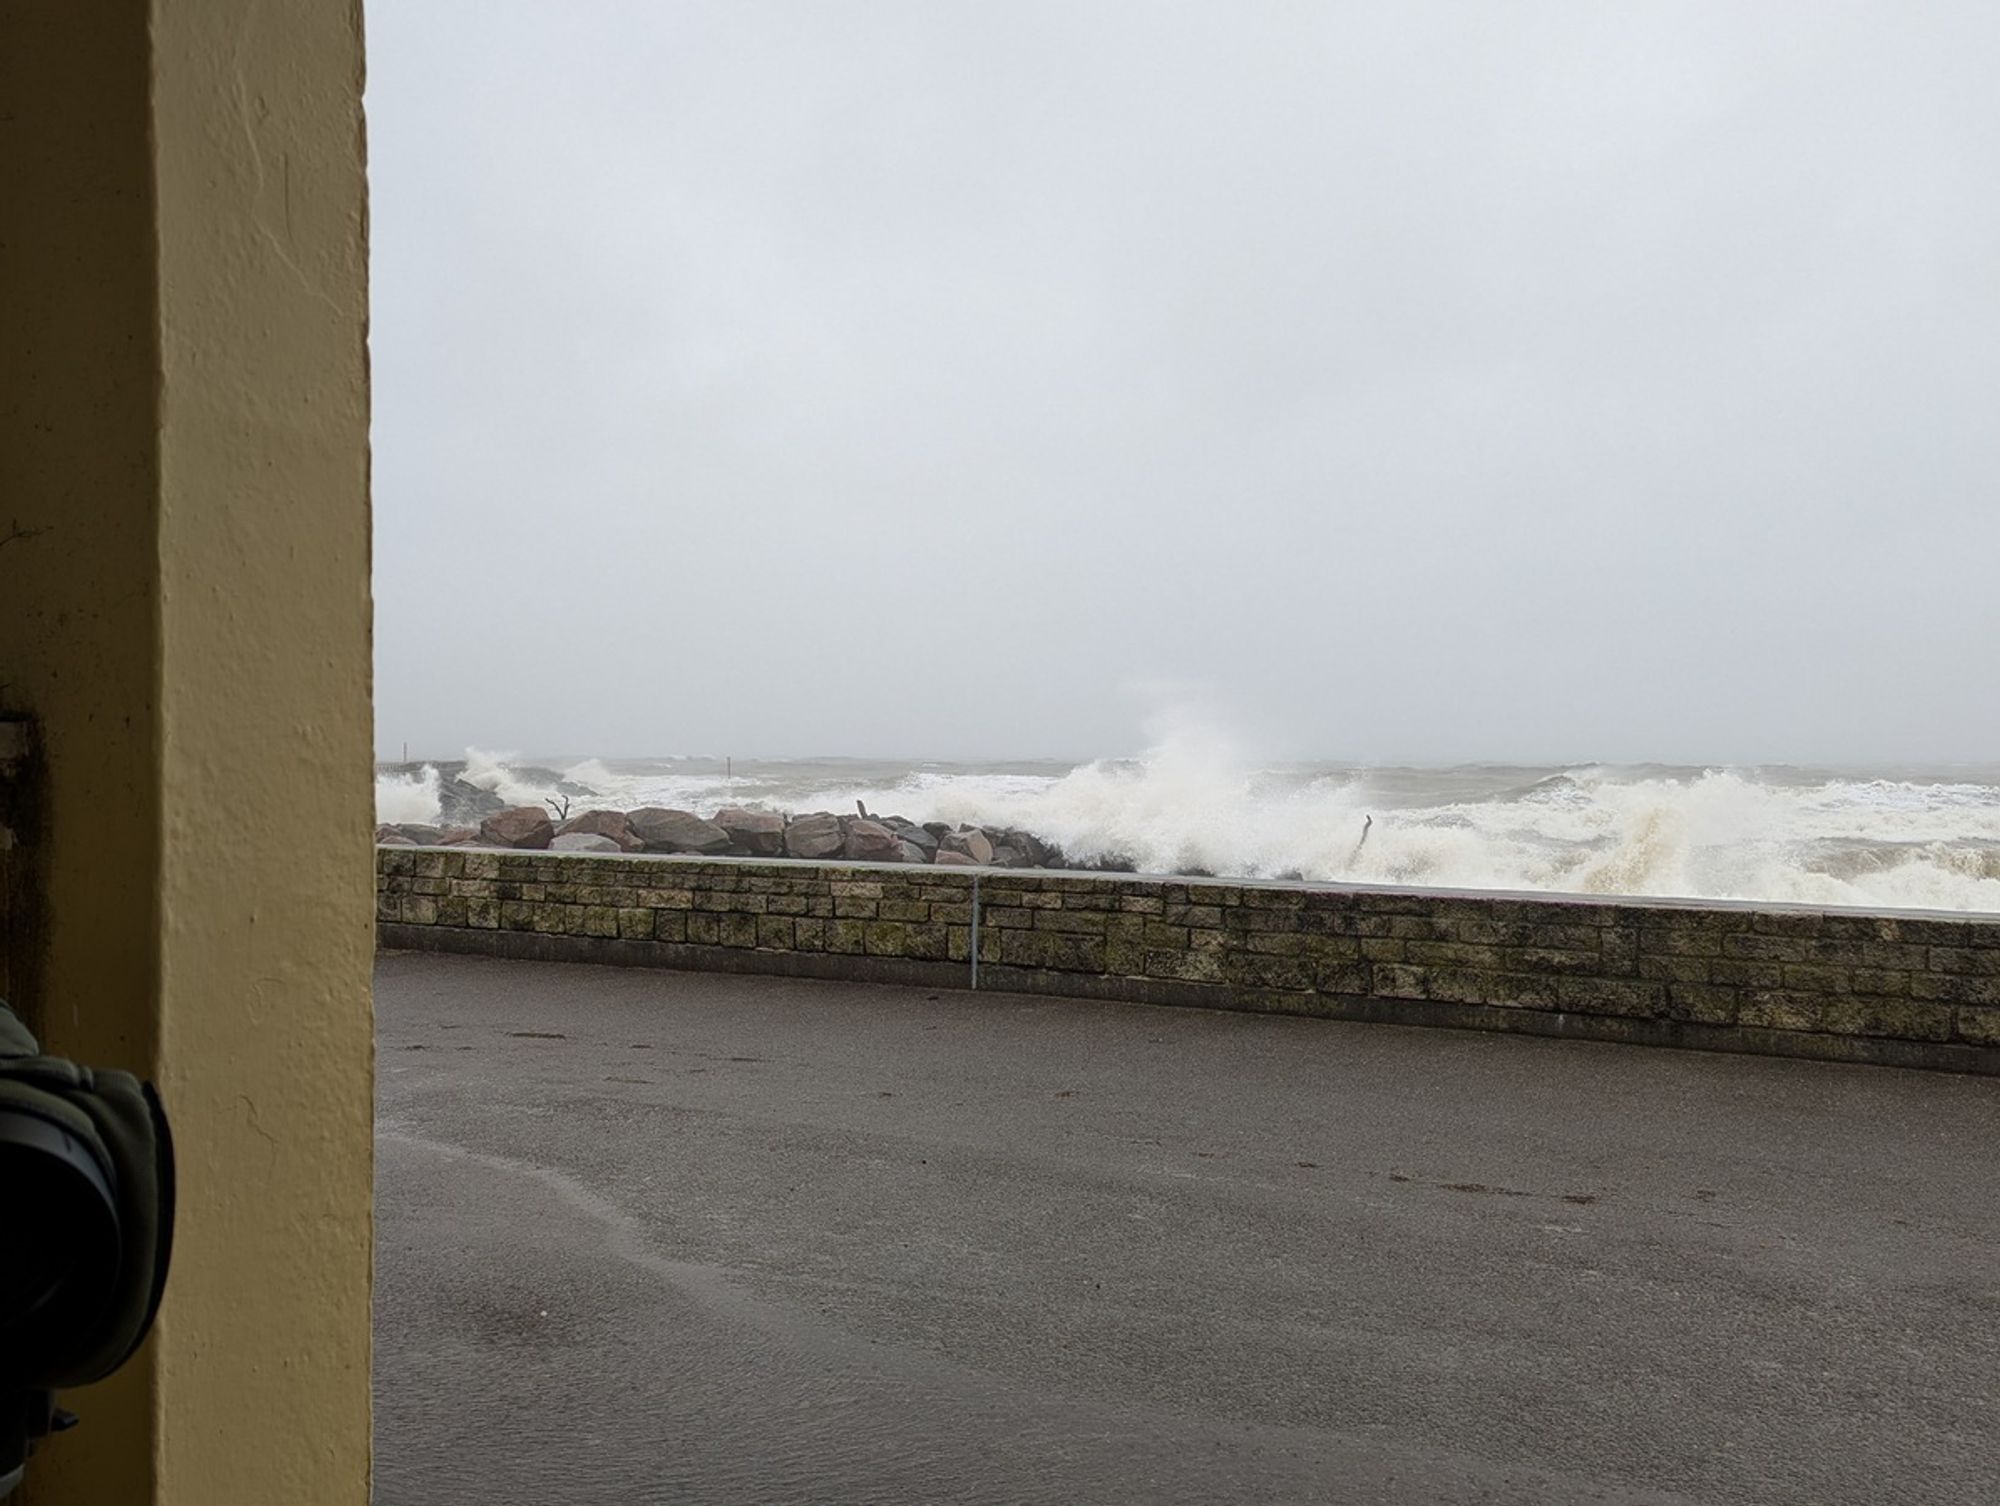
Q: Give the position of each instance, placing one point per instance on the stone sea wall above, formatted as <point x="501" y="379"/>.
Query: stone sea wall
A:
<point x="1913" y="990"/>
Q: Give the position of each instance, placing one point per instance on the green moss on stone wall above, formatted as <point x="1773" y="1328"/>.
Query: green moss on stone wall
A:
<point x="1918" y="979"/>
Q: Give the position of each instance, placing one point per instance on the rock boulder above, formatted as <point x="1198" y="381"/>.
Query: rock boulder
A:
<point x="815" y="836"/>
<point x="518" y="826"/>
<point x="415" y="833"/>
<point x="463" y="804"/>
<point x="1035" y="853"/>
<point x="583" y="841"/>
<point x="761" y="834"/>
<point x="871" y="842"/>
<point x="616" y="826"/>
<point x="664" y="830"/>
<point x="970" y="841"/>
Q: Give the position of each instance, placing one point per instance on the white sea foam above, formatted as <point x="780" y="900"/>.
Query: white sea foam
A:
<point x="1192" y="803"/>
<point x="407" y="797"/>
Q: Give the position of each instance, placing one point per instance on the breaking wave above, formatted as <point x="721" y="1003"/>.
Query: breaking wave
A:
<point x="1783" y="835"/>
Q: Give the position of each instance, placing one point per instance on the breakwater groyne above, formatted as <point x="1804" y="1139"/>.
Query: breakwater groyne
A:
<point x="735" y="831"/>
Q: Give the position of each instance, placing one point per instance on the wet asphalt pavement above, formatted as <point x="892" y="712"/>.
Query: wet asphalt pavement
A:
<point x="656" y="1237"/>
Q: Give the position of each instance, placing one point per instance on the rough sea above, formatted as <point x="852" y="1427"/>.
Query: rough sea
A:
<point x="1879" y="838"/>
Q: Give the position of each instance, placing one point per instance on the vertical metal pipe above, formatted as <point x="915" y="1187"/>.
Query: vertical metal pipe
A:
<point x="975" y="933"/>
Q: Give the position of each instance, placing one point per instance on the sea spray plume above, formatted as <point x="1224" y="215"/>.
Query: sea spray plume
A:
<point x="1189" y="803"/>
<point x="405" y="797"/>
<point x="498" y="772"/>
<point x="593" y="774"/>
<point x="461" y="791"/>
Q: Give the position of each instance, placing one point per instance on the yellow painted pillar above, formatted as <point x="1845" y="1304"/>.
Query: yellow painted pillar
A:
<point x="184" y="611"/>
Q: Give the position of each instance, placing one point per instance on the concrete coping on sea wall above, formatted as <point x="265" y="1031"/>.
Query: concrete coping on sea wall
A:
<point x="1902" y="988"/>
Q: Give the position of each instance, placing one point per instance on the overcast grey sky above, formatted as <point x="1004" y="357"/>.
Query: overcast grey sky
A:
<point x="1396" y="380"/>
